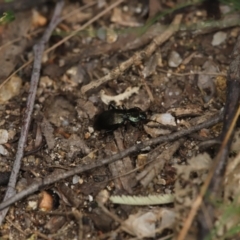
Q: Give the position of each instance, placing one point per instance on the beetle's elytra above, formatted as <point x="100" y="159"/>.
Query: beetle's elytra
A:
<point x="113" y="118"/>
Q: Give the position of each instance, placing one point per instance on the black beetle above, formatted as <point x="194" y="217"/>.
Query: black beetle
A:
<point x="113" y="118"/>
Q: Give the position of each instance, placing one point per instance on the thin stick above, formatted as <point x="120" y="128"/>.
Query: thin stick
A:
<point x="71" y="13"/>
<point x="134" y="149"/>
<point x="17" y="227"/>
<point x="19" y="38"/>
<point x="193" y="73"/>
<point x="78" y="216"/>
<point x="214" y="179"/>
<point x="137" y="57"/>
<point x="66" y="38"/>
<point x="38" y="53"/>
<point x="84" y="25"/>
<point x="198" y="201"/>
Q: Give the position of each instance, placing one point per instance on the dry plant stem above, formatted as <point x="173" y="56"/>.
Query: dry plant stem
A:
<point x="38" y="53"/>
<point x="78" y="217"/>
<point x="161" y="156"/>
<point x="134" y="149"/>
<point x="75" y="11"/>
<point x="149" y="92"/>
<point x="207" y="216"/>
<point x="231" y="107"/>
<point x="16" y="6"/>
<point x="137" y="57"/>
<point x="130" y="172"/>
<point x="17" y="227"/>
<point x="148" y="174"/>
<point x="19" y="38"/>
<point x="125" y="165"/>
<point x="231" y="20"/>
<point x="66" y="38"/>
<point x="59" y="233"/>
<point x="111" y="215"/>
<point x="85" y="25"/>
<point x="41" y="235"/>
<point x="215" y="176"/>
<point x="192" y="73"/>
<point x="198" y="201"/>
<point x="124" y="226"/>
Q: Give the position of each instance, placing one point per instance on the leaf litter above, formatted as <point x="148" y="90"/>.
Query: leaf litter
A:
<point x="67" y="115"/>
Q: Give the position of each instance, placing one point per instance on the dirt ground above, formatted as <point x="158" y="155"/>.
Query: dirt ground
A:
<point x="173" y="175"/>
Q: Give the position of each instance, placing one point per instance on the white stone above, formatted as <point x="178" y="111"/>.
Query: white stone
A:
<point x="3" y="136"/>
<point x="219" y="38"/>
<point x="3" y="151"/>
<point x="75" y="179"/>
<point x="174" y="59"/>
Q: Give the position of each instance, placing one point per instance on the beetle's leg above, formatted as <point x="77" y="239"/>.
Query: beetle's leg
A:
<point x="138" y="125"/>
<point x="104" y="134"/>
<point x="137" y="108"/>
<point x="113" y="128"/>
<point x="111" y="105"/>
<point x="125" y="125"/>
<point x="133" y="124"/>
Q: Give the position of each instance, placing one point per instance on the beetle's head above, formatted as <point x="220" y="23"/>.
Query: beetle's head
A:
<point x="136" y="115"/>
<point x="142" y="115"/>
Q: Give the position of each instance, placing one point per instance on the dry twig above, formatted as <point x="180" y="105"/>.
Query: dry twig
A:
<point x="231" y="108"/>
<point x="134" y="149"/>
<point x="38" y="53"/>
<point x="230" y="115"/>
<point x="125" y="165"/>
<point x="78" y="216"/>
<point x="36" y="31"/>
<point x="137" y="57"/>
<point x="192" y="73"/>
<point x="129" y="40"/>
<point x="67" y="37"/>
<point x="198" y="201"/>
<point x="20" y="5"/>
<point x="160" y="159"/>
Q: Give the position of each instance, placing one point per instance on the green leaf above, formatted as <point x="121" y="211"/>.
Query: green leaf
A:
<point x="7" y="17"/>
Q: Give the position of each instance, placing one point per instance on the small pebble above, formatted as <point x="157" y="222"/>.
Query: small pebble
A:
<point x="75" y="179"/>
<point x="10" y="89"/>
<point x="174" y="59"/>
<point x="3" y="136"/>
<point x="3" y="151"/>
<point x="219" y="38"/>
